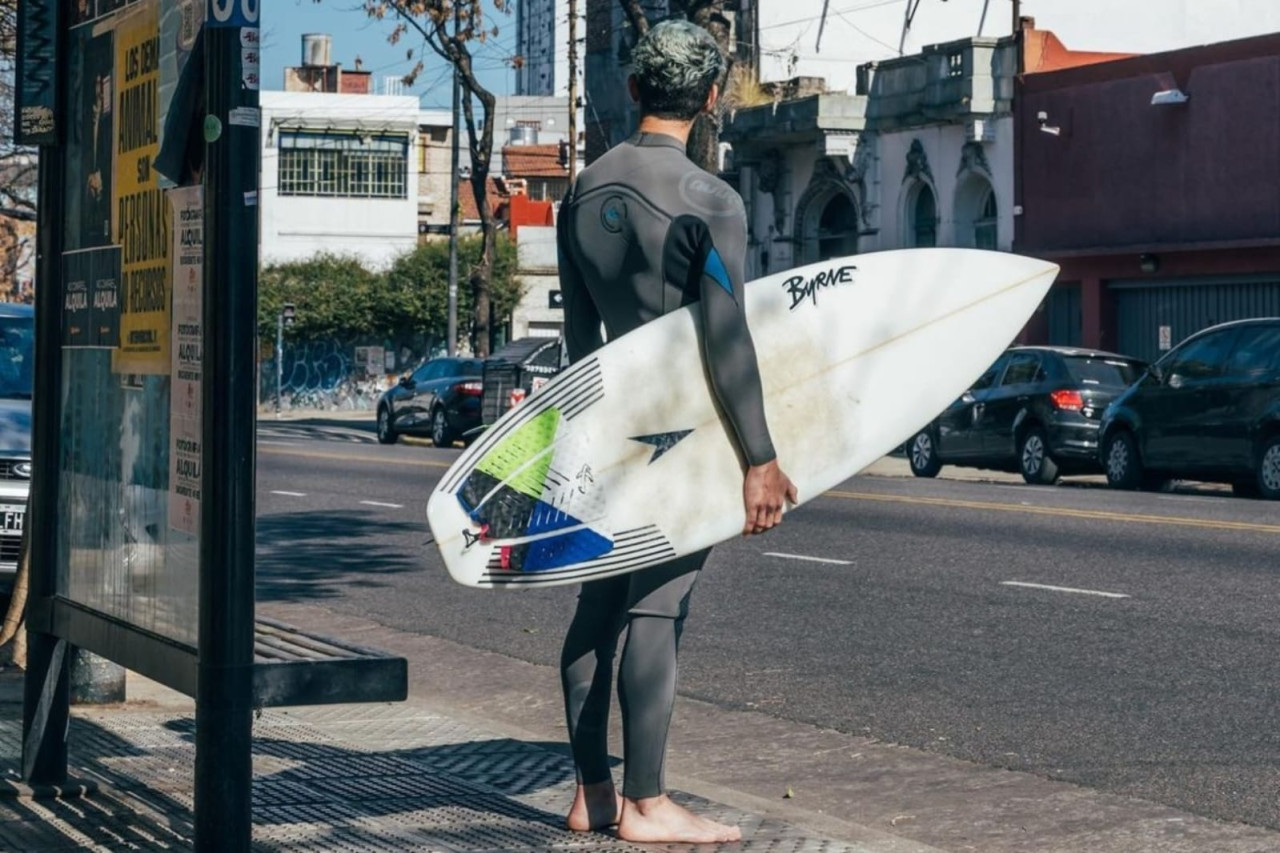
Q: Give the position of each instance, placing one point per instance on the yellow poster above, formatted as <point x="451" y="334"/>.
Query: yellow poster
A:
<point x="141" y="214"/>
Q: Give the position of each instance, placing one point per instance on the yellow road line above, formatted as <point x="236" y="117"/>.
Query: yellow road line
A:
<point x="1062" y="512"/>
<point x="991" y="506"/>
<point x="345" y="457"/>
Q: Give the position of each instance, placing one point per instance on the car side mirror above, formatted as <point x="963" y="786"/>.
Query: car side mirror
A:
<point x="406" y="381"/>
<point x="967" y="397"/>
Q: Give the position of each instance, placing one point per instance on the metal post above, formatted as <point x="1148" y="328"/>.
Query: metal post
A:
<point x="224" y="694"/>
<point x="573" y="90"/>
<point x="46" y="695"/>
<point x="454" y="217"/>
<point x="279" y="357"/>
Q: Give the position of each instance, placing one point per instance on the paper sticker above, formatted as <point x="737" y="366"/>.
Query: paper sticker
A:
<point x="251" y="198"/>
<point x="187" y="367"/>
<point x="234" y="13"/>
<point x="245" y="117"/>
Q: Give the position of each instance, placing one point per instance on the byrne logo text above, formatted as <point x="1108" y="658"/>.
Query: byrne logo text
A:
<point x="799" y="289"/>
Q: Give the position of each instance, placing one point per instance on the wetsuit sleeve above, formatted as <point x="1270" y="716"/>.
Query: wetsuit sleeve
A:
<point x="581" y="317"/>
<point x="709" y="257"/>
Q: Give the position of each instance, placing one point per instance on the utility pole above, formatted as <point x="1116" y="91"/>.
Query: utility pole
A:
<point x="279" y="358"/>
<point x="284" y="318"/>
<point x="1017" y="34"/>
<point x="454" y="217"/>
<point x="573" y="90"/>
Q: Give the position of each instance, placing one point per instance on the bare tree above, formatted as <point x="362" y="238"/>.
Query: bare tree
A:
<point x="18" y="164"/>
<point x="451" y="30"/>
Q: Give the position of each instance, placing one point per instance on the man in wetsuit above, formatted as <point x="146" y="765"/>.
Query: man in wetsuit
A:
<point x="645" y="232"/>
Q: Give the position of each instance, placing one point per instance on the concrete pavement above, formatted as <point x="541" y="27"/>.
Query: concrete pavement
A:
<point x="475" y="761"/>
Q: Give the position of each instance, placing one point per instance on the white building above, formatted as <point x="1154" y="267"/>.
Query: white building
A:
<point x="922" y="155"/>
<point x="542" y="44"/>
<point x="916" y="150"/>
<point x="796" y="39"/>
<point x="338" y="175"/>
<point x="539" y="314"/>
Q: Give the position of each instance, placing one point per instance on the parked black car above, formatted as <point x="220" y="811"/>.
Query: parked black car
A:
<point x="440" y="399"/>
<point x="1208" y="410"/>
<point x="516" y="371"/>
<point x="1036" y="411"/>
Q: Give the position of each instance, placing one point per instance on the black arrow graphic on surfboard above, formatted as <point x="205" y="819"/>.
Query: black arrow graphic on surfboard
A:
<point x="662" y="441"/>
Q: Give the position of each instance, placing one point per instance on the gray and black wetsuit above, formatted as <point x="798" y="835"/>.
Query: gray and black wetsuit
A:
<point x="645" y="232"/>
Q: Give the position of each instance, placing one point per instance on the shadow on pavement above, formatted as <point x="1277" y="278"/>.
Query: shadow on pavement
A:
<point x="307" y="795"/>
<point x="308" y="556"/>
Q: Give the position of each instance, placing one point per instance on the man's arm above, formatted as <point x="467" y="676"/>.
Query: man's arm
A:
<point x="712" y="252"/>
<point x="581" y="318"/>
<point x="709" y="256"/>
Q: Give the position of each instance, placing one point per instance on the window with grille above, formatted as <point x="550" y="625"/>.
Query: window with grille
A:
<point x="316" y="164"/>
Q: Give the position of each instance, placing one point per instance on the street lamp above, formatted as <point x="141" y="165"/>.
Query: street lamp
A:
<point x="284" y="318"/>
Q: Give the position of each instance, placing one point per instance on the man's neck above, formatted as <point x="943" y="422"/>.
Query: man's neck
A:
<point x="667" y="127"/>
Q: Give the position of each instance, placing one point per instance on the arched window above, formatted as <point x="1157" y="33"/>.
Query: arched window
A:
<point x="837" y="228"/>
<point x="985" y="232"/>
<point x="924" y="218"/>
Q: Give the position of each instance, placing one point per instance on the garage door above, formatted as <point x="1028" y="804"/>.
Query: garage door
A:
<point x="1154" y="316"/>
<point x="1064" y="314"/>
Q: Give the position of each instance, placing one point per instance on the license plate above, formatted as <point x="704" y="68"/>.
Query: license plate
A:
<point x="11" y="519"/>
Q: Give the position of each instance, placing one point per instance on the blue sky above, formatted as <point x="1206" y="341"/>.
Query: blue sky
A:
<point x="285" y="21"/>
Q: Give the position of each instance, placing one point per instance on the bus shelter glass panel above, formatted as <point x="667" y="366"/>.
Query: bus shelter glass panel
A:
<point x="130" y="478"/>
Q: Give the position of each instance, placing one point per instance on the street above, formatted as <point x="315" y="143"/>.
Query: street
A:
<point x="1120" y="641"/>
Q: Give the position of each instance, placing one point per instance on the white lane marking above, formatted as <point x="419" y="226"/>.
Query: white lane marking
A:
<point x="808" y="559"/>
<point x="289" y="494"/>
<point x="1188" y="499"/>
<point x="1064" y="589"/>
<point x="281" y="443"/>
<point x="380" y="503"/>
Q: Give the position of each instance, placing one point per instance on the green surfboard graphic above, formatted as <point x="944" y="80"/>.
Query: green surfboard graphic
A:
<point x="519" y="460"/>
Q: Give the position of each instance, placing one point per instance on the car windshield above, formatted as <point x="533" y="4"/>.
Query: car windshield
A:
<point x="1103" y="372"/>
<point x="17" y="339"/>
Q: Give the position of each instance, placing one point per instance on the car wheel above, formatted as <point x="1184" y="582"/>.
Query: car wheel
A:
<point x="1123" y="467"/>
<point x="922" y="454"/>
<point x="441" y="435"/>
<point x="1034" y="461"/>
<point x="1269" y="469"/>
<point x="386" y="433"/>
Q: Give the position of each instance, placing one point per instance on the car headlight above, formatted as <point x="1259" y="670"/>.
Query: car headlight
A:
<point x="23" y="469"/>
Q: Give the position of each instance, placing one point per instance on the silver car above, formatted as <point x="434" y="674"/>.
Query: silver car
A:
<point x="17" y="340"/>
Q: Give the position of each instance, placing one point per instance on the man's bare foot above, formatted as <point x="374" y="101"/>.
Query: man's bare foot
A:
<point x="594" y="807"/>
<point x="657" y="820"/>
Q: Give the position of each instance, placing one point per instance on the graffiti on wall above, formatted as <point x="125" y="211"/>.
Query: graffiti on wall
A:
<point x="331" y="375"/>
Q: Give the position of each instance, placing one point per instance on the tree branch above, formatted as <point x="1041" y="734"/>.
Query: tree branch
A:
<point x="636" y="16"/>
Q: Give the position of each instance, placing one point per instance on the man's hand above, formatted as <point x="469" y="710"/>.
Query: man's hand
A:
<point x="763" y="492"/>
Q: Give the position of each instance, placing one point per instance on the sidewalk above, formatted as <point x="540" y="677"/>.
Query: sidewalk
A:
<point x="319" y="417"/>
<point x="352" y="778"/>
<point x="897" y="466"/>
<point x="475" y="761"/>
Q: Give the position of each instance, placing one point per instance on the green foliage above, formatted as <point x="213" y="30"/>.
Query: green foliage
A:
<point x="337" y="297"/>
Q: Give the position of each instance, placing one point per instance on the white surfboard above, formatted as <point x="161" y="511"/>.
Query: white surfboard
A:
<point x="623" y="461"/>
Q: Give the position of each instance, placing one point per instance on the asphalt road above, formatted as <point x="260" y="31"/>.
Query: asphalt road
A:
<point x="1125" y="642"/>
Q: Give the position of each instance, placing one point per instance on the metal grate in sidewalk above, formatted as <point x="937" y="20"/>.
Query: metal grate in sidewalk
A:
<point x="356" y="778"/>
